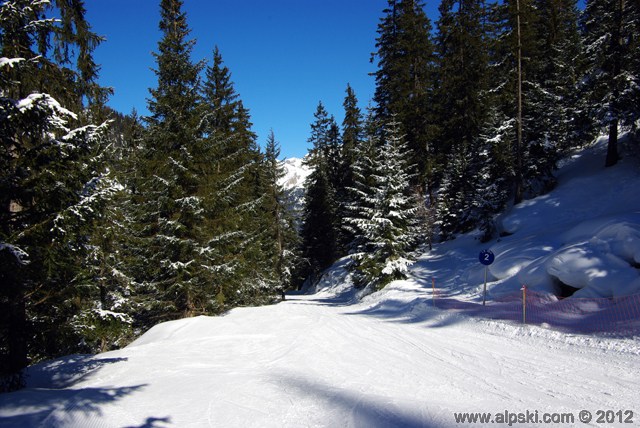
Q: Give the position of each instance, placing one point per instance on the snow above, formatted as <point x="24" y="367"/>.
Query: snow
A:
<point x="295" y="173"/>
<point x="110" y="315"/>
<point x="19" y="255"/>
<point x="312" y="361"/>
<point x="10" y="62"/>
<point x="400" y="265"/>
<point x="32" y="100"/>
<point x="394" y="358"/>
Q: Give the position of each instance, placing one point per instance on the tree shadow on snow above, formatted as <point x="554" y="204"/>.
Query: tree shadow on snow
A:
<point x="66" y="371"/>
<point x="339" y="300"/>
<point x="153" y="423"/>
<point x="57" y="407"/>
<point x="365" y="410"/>
<point x="50" y="398"/>
<point x="417" y="310"/>
<point x="610" y="317"/>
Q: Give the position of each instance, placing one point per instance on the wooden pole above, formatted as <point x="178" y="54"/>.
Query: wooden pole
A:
<point x="433" y="291"/>
<point x="524" y="304"/>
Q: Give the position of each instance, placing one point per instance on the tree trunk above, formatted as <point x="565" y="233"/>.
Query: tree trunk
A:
<point x="13" y="327"/>
<point x="616" y="48"/>
<point x="612" y="145"/>
<point x="518" y="196"/>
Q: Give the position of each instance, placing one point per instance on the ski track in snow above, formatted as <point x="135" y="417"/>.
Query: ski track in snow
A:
<point x="314" y="361"/>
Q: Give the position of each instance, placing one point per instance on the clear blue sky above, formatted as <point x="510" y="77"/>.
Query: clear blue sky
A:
<point x="284" y="55"/>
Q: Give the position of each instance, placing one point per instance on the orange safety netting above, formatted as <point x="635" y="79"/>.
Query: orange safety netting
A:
<point x="620" y="315"/>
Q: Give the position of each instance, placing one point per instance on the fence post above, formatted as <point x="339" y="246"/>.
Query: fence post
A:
<point x="433" y="291"/>
<point x="524" y="304"/>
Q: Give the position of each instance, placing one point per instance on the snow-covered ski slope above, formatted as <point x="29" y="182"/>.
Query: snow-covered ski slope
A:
<point x="391" y="359"/>
<point x="313" y="362"/>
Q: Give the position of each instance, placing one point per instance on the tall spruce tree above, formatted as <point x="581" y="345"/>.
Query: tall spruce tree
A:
<point x="319" y="230"/>
<point x="52" y="180"/>
<point x="360" y="193"/>
<point x="560" y="73"/>
<point x="239" y="210"/>
<point x="460" y="108"/>
<point x="405" y="76"/>
<point x="462" y="68"/>
<point x="516" y="53"/>
<point x="109" y="322"/>
<point x="282" y="236"/>
<point x="613" y="77"/>
<point x="352" y="136"/>
<point x="551" y="64"/>
<point x="173" y="211"/>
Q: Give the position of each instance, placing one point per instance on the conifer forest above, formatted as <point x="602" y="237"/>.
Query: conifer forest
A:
<point x="111" y="223"/>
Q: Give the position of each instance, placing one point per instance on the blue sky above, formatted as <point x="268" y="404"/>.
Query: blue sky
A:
<point x="284" y="55"/>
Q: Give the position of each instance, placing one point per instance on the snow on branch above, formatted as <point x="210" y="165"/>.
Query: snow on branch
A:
<point x="97" y="191"/>
<point x="90" y="132"/>
<point x="19" y="254"/>
<point x="45" y="101"/>
<point x="10" y="62"/>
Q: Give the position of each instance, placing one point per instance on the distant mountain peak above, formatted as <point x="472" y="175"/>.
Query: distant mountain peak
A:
<point x="296" y="172"/>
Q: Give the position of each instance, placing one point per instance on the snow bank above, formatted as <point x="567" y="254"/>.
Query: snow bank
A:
<point x="584" y="234"/>
<point x="605" y="265"/>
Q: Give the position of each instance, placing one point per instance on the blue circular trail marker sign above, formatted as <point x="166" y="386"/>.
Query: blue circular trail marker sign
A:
<point x="486" y="257"/>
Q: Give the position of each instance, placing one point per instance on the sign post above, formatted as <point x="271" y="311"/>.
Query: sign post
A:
<point x="486" y="258"/>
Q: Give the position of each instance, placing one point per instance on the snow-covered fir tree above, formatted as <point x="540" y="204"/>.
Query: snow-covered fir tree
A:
<point x="53" y="182"/>
<point x="171" y="209"/>
<point x="384" y="220"/>
<point x="360" y="193"/>
<point x="352" y="136"/>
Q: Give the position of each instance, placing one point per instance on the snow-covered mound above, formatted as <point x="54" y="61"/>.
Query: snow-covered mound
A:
<point x="585" y="234"/>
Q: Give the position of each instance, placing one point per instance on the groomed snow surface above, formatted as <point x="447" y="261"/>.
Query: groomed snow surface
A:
<point x="391" y="359"/>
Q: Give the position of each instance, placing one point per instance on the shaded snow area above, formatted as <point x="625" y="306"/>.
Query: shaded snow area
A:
<point x="401" y="357"/>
